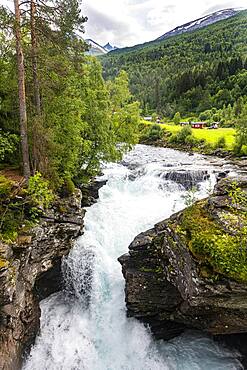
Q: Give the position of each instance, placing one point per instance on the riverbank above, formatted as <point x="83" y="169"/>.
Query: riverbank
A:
<point x="30" y="270"/>
<point x="218" y="142"/>
<point x="230" y="158"/>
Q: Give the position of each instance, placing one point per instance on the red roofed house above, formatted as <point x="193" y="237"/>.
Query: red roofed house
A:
<point x="197" y="124"/>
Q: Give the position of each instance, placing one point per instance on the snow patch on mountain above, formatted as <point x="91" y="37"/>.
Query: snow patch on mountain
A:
<point x="97" y="49"/>
<point x="201" y="22"/>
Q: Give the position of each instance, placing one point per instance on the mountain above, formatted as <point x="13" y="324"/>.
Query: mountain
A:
<point x="200" y="22"/>
<point x="96" y="49"/>
<point x="190" y="72"/>
<point x="108" y="47"/>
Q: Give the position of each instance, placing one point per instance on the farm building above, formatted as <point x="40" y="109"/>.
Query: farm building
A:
<point x="197" y="124"/>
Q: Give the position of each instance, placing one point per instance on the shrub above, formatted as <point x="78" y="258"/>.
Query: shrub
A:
<point x="8" y="145"/>
<point x="221" y="143"/>
<point x="155" y="132"/>
<point x="39" y="191"/>
<point x="182" y="134"/>
<point x="173" y="139"/>
<point x="5" y="186"/>
<point x="177" y="118"/>
<point x="68" y="187"/>
<point x="191" y="140"/>
<point x="244" y="150"/>
<point x="150" y="132"/>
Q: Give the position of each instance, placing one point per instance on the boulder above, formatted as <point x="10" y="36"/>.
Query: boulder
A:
<point x="190" y="271"/>
<point x="187" y="178"/>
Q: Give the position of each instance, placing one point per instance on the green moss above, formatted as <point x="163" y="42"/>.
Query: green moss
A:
<point x="3" y="263"/>
<point x="224" y="252"/>
<point x="157" y="270"/>
<point x="5" y="186"/>
<point x="68" y="187"/>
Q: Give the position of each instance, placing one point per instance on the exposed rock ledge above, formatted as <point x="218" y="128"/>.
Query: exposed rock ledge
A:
<point x="171" y="288"/>
<point x="31" y="270"/>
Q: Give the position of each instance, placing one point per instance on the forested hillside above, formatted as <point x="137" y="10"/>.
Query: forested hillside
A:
<point x="189" y="73"/>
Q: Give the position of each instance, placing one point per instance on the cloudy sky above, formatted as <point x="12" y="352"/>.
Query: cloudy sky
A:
<point x="129" y="22"/>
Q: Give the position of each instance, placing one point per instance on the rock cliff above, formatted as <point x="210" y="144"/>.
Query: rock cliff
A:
<point x="190" y="271"/>
<point x="30" y="270"/>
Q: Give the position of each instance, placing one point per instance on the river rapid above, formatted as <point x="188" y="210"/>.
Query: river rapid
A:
<point x="85" y="326"/>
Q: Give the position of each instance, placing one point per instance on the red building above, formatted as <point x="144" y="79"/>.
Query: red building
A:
<point x="197" y="124"/>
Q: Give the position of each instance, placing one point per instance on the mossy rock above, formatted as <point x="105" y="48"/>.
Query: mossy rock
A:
<point x="225" y="253"/>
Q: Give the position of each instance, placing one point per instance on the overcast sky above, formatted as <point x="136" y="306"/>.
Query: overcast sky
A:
<point x="129" y="22"/>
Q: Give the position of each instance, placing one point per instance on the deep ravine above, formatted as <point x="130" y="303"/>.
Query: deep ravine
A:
<point x="85" y="327"/>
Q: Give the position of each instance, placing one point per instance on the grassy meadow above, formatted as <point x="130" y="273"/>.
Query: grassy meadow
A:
<point x="210" y="135"/>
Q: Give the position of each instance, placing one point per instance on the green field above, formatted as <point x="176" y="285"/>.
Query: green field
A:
<point x="210" y="135"/>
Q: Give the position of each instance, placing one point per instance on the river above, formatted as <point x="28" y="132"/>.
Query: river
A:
<point x="85" y="326"/>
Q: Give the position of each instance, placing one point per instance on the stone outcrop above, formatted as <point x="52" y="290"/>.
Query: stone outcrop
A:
<point x="30" y="270"/>
<point x="172" y="284"/>
<point x="188" y="179"/>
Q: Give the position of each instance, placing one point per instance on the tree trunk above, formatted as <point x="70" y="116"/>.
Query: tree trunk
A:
<point x="21" y="93"/>
<point x="34" y="59"/>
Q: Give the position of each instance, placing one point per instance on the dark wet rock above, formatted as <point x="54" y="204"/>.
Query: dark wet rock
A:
<point x="222" y="175"/>
<point x="30" y="270"/>
<point x="188" y="179"/>
<point x="171" y="289"/>
<point x="90" y="192"/>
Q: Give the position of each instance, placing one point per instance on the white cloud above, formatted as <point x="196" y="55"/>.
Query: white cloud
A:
<point x="129" y="22"/>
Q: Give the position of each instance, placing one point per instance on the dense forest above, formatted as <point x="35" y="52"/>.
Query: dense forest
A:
<point x="202" y="72"/>
<point x="54" y="103"/>
<point x="59" y="119"/>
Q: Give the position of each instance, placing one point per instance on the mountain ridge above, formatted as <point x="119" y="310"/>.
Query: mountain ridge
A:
<point x="201" y="22"/>
<point x="96" y="49"/>
<point x="187" y="73"/>
<point x="171" y="33"/>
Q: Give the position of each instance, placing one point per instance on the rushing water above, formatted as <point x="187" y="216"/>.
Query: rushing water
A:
<point x="89" y="328"/>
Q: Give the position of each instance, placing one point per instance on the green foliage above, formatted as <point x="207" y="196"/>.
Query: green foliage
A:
<point x="8" y="145"/>
<point x="154" y="132"/>
<point x="5" y="187"/>
<point x="39" y="191"/>
<point x="190" y="197"/>
<point x="22" y="206"/>
<point x="191" y="141"/>
<point x="11" y="215"/>
<point x="193" y="72"/>
<point x="68" y="187"/>
<point x="180" y="136"/>
<point x="177" y="118"/>
<point x="241" y="139"/>
<point x="154" y="117"/>
<point x="225" y="251"/>
<point x="221" y="143"/>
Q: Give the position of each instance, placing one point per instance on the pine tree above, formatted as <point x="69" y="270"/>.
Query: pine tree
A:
<point x="21" y="92"/>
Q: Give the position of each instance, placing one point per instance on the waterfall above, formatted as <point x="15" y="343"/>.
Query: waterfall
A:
<point x="85" y="326"/>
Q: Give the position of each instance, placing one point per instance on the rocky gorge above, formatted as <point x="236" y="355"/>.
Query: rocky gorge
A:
<point x="170" y="286"/>
<point x="189" y="271"/>
<point x="30" y="270"/>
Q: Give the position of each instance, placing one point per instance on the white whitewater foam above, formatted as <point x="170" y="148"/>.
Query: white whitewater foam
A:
<point x="89" y="330"/>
